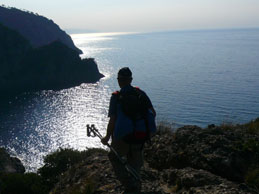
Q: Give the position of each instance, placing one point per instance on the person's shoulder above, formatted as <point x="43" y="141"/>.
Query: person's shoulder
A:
<point x="139" y="90"/>
<point x="115" y="93"/>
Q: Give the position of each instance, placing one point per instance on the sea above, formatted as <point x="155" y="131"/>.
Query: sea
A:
<point x="197" y="77"/>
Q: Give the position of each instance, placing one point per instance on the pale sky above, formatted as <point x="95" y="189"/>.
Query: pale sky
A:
<point x="144" y="15"/>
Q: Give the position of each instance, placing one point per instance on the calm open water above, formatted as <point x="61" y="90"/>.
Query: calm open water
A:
<point x="194" y="77"/>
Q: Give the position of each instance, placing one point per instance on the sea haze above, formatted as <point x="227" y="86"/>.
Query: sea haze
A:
<point x="192" y="77"/>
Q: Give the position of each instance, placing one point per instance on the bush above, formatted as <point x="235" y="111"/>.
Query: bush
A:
<point x="29" y="183"/>
<point x="87" y="188"/>
<point x="252" y="145"/>
<point x="59" y="162"/>
<point x="253" y="126"/>
<point x="252" y="178"/>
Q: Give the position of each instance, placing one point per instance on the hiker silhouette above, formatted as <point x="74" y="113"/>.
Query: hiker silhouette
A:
<point x="131" y="123"/>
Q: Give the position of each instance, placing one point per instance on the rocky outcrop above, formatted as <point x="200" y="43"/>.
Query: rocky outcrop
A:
<point x="224" y="152"/>
<point x="10" y="164"/>
<point x="190" y="160"/>
<point x="189" y="180"/>
<point x="37" y="29"/>
<point x="95" y="175"/>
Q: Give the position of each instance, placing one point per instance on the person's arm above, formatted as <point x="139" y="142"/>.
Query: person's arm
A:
<point x="110" y="129"/>
<point x="149" y="104"/>
<point x="112" y="114"/>
<point x="153" y="111"/>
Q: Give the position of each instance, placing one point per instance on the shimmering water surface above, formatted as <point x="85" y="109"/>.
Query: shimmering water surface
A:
<point x="198" y="77"/>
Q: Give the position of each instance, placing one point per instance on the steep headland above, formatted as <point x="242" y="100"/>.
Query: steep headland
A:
<point x="37" y="29"/>
<point x="217" y="159"/>
<point x="52" y="66"/>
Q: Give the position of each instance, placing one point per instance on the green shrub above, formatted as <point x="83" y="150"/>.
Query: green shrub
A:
<point x="57" y="163"/>
<point x="88" y="188"/>
<point x="252" y="178"/>
<point x="253" y="126"/>
<point x="29" y="183"/>
<point x="228" y="126"/>
<point x="60" y="161"/>
<point x="252" y="145"/>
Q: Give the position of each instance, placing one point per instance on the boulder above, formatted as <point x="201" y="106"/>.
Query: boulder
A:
<point x="189" y="180"/>
<point x="223" y="152"/>
<point x="10" y="164"/>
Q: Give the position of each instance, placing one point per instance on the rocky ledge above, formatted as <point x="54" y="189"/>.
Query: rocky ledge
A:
<point x="96" y="176"/>
<point x="190" y="160"/>
<point x="217" y="159"/>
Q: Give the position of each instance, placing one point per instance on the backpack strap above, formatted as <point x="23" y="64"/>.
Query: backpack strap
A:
<point x="147" y="128"/>
<point x="116" y="93"/>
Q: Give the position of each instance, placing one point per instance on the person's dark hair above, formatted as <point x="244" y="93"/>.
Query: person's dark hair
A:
<point x="125" y="73"/>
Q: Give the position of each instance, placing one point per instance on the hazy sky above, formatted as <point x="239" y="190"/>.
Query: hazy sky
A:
<point x="144" y="15"/>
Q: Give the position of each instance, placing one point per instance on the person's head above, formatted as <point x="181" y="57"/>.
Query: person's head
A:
<point x="124" y="77"/>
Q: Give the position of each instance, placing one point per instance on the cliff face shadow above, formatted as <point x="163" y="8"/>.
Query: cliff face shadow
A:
<point x="51" y="67"/>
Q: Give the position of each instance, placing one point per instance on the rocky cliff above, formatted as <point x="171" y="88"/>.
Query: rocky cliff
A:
<point x="189" y="160"/>
<point x="37" y="29"/>
<point x="53" y="66"/>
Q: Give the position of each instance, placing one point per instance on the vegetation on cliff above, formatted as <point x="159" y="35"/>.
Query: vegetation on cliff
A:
<point x="217" y="159"/>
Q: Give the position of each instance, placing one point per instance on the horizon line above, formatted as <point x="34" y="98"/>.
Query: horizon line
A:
<point x="113" y="33"/>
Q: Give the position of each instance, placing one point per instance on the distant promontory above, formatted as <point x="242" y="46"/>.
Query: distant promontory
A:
<point x="37" y="29"/>
<point x="35" y="54"/>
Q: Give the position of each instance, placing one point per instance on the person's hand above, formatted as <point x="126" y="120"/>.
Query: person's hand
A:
<point x="105" y="140"/>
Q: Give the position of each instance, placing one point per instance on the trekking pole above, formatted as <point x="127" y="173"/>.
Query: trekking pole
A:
<point x="93" y="132"/>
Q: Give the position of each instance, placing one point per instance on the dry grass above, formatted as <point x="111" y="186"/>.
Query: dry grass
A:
<point x="253" y="126"/>
<point x="252" y="178"/>
<point x="165" y="127"/>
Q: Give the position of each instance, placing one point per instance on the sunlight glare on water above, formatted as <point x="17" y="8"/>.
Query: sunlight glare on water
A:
<point x="59" y="120"/>
<point x="44" y="121"/>
<point x="88" y="42"/>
